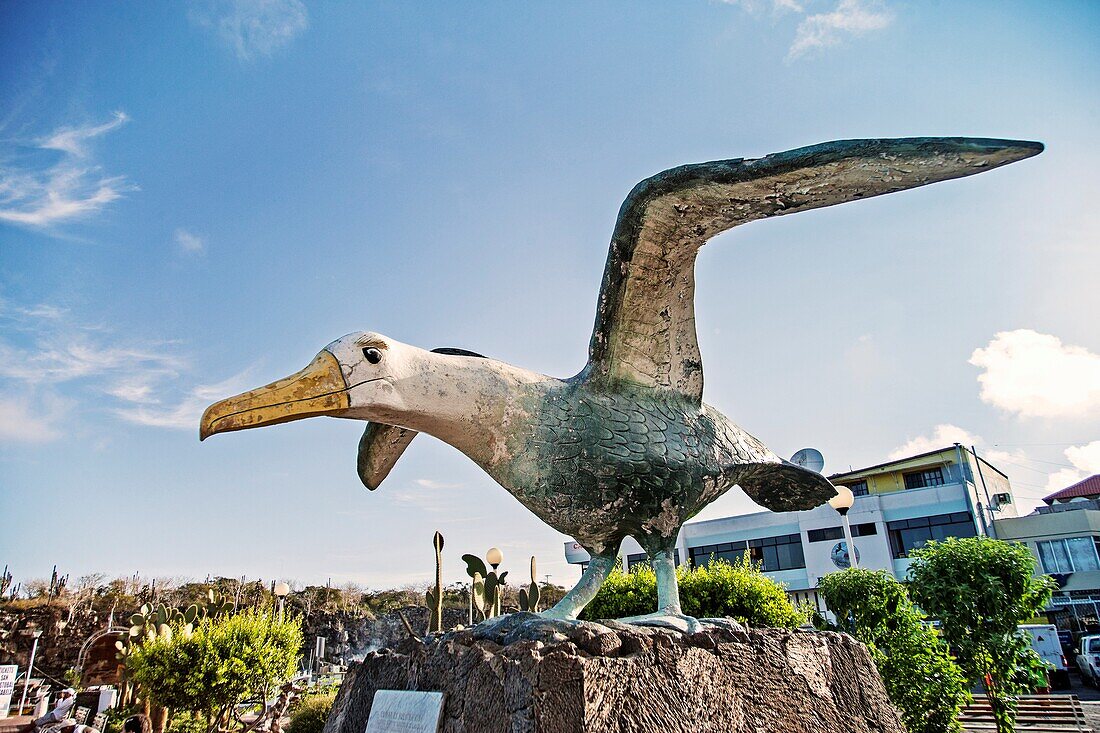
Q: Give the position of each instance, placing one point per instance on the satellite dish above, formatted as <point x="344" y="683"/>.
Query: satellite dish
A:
<point x="810" y="458"/>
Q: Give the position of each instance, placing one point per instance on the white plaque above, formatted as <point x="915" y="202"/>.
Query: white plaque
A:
<point x="8" y="673"/>
<point x="402" y="711"/>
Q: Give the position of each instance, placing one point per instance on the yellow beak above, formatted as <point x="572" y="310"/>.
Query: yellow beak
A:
<point x="319" y="389"/>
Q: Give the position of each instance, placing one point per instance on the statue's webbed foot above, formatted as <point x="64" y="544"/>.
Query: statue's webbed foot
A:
<point x="668" y="618"/>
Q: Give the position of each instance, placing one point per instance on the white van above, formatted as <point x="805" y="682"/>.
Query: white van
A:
<point x="1045" y="642"/>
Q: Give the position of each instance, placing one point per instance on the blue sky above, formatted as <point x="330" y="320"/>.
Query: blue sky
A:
<point x="195" y="198"/>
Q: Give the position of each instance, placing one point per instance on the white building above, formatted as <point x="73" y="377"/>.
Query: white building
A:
<point x="899" y="505"/>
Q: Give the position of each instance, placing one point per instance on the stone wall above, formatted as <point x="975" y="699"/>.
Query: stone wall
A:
<point x="528" y="676"/>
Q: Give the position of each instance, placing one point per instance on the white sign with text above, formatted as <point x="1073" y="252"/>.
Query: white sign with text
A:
<point x="403" y="711"/>
<point x="8" y="673"/>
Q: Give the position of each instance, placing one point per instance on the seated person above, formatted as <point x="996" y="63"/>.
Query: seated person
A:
<point x="137" y="724"/>
<point x="61" y="710"/>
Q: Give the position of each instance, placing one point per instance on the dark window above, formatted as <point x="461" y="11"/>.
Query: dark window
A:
<point x="922" y="479"/>
<point x="864" y="530"/>
<point x="837" y="533"/>
<point x="859" y="488"/>
<point x="641" y="557"/>
<point x="909" y="534"/>
<point x="778" y="553"/>
<point x="824" y="535"/>
<point x="730" y="551"/>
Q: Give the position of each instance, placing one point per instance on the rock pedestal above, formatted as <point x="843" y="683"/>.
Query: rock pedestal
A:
<point x="527" y="675"/>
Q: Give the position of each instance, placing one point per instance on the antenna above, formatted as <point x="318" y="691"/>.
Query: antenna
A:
<point x="809" y="458"/>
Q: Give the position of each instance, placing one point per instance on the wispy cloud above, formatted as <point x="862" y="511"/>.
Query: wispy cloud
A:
<point x="182" y="414"/>
<point x="848" y="18"/>
<point x="1034" y="374"/>
<point x="428" y="483"/>
<point x="40" y="193"/>
<point x="189" y="243"/>
<point x="252" y="28"/>
<point x="24" y="419"/>
<point x="52" y="363"/>
<point x="758" y="6"/>
<point x="73" y="140"/>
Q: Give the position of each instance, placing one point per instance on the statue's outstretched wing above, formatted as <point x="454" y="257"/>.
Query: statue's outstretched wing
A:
<point x="381" y="444"/>
<point x="645" y="319"/>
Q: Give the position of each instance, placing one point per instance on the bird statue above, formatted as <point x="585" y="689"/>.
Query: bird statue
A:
<point x="627" y="446"/>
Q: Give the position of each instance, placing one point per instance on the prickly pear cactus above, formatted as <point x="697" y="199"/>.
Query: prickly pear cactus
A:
<point x="529" y="596"/>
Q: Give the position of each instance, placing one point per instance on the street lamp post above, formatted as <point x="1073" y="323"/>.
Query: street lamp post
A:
<point x="281" y="592"/>
<point x="30" y="669"/>
<point x="842" y="502"/>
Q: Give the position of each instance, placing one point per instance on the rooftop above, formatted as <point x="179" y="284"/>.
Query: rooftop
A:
<point x="1087" y="489"/>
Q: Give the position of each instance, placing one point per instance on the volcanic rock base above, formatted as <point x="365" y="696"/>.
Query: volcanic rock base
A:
<point x="527" y="675"/>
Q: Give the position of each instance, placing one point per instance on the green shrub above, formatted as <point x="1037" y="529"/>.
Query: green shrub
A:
<point x="920" y="676"/>
<point x="223" y="661"/>
<point x="311" y="714"/>
<point x="722" y="589"/>
<point x="981" y="590"/>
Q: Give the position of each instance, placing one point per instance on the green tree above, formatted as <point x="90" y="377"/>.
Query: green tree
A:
<point x="981" y="590"/>
<point x="311" y="714"/>
<point x="224" y="661"/>
<point x="916" y="667"/>
<point x="721" y="589"/>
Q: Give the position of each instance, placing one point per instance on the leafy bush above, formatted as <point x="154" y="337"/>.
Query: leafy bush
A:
<point x="311" y="714"/>
<point x="225" y="660"/>
<point x="722" y="589"/>
<point x="981" y="590"/>
<point x="920" y="676"/>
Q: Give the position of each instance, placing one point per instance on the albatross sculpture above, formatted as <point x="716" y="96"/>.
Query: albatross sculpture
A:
<point x="627" y="446"/>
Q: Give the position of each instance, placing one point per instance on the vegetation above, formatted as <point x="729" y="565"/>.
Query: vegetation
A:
<point x="224" y="661"/>
<point x="721" y="589"/>
<point x="981" y="590"/>
<point x="311" y="714"/>
<point x="920" y="676"/>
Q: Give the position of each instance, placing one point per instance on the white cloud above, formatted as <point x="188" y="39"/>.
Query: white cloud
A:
<point x="1086" y="462"/>
<point x="1035" y="375"/>
<point x="757" y="6"/>
<point x="428" y="483"/>
<point x="849" y="18"/>
<point x="185" y="413"/>
<point x="23" y="420"/>
<point x="138" y="380"/>
<point x="67" y="355"/>
<point x="189" y="243"/>
<point x="254" y="28"/>
<point x="942" y="436"/>
<point x="72" y="140"/>
<point x="38" y="195"/>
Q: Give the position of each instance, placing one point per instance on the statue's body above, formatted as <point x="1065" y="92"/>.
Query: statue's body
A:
<point x="627" y="446"/>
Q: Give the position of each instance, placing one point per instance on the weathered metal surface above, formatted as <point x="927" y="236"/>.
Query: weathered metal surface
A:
<point x="627" y="446"/>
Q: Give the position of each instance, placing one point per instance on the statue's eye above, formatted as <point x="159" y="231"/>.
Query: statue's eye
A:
<point x="372" y="355"/>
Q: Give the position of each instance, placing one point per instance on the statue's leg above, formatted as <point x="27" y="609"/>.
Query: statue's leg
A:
<point x="573" y="602"/>
<point x="663" y="562"/>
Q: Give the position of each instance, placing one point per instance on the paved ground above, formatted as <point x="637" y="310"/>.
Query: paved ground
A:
<point x="1090" y="700"/>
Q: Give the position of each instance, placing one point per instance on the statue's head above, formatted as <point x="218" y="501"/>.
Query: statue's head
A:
<point x="354" y="377"/>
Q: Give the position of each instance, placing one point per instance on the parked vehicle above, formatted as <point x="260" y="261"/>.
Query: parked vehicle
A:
<point x="1088" y="659"/>
<point x="1045" y="642"/>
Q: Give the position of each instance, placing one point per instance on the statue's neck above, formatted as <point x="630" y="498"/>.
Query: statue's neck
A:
<point x="466" y="402"/>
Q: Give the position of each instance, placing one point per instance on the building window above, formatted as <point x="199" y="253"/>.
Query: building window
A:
<point x="640" y="557"/>
<point x="837" y="533"/>
<point x="922" y="479"/>
<point x="730" y="551"/>
<point x="909" y="534"/>
<point x="775" y="553"/>
<point x="859" y="488"/>
<point x="1071" y="555"/>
